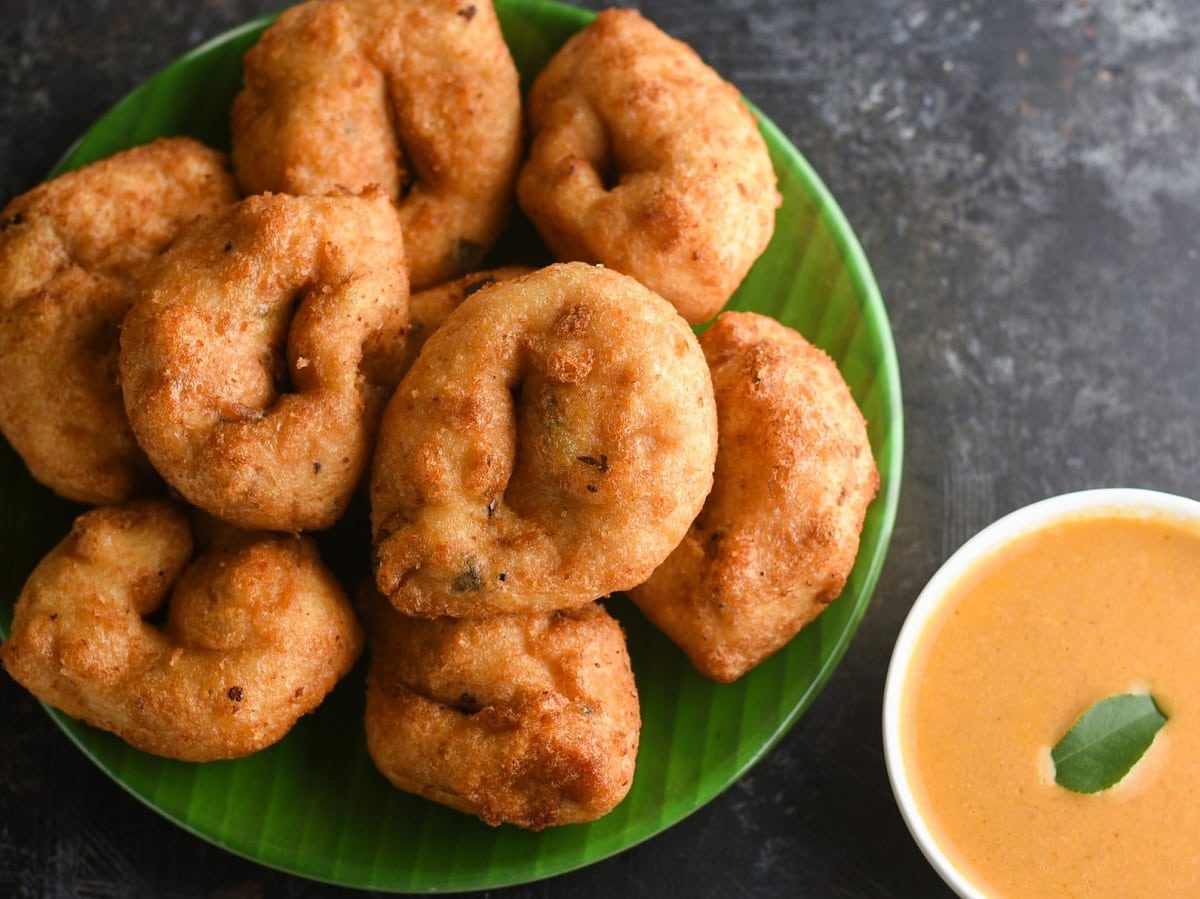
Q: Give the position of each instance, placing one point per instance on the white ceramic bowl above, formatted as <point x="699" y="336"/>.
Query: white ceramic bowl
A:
<point x="998" y="534"/>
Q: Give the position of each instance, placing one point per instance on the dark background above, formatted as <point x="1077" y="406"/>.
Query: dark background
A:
<point x="1025" y="177"/>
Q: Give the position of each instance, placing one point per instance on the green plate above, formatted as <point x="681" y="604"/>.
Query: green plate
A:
<point x="314" y="805"/>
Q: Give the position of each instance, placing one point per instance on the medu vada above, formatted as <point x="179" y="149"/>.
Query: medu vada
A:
<point x="530" y="720"/>
<point x="428" y="308"/>
<point x="779" y="533"/>
<point x="550" y="445"/>
<point x="256" y="362"/>
<point x="646" y="160"/>
<point x="257" y="632"/>
<point x="419" y="97"/>
<point x="72" y="253"/>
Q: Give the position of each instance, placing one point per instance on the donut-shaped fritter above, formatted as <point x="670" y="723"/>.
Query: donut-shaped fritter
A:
<point x="550" y="445"/>
<point x="530" y="720"/>
<point x="779" y="533"/>
<point x="72" y="252"/>
<point x="645" y="160"/>
<point x="419" y="97"/>
<point x="254" y="437"/>
<point x="429" y="308"/>
<point x="257" y="633"/>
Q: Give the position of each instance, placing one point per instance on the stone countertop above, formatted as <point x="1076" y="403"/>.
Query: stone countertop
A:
<point x="1025" y="180"/>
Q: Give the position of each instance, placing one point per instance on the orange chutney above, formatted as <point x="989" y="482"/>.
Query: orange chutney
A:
<point x="1023" y="644"/>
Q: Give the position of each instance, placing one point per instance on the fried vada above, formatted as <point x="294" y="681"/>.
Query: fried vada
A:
<point x="419" y="97"/>
<point x="428" y="308"/>
<point x="550" y="445"/>
<point x="257" y="632"/>
<point x="257" y="360"/>
<point x="779" y="533"/>
<point x="645" y="160"/>
<point x="530" y="720"/>
<point x="72" y="254"/>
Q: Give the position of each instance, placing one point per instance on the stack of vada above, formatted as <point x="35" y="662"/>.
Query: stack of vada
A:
<point x="227" y="358"/>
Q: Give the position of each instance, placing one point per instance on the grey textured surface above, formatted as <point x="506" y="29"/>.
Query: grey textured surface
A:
<point x="1025" y="179"/>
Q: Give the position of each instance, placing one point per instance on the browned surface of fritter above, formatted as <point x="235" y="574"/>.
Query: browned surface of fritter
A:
<point x="530" y="720"/>
<point x="419" y="97"/>
<point x="429" y="308"/>
<point x="72" y="252"/>
<point x="779" y="534"/>
<point x="257" y="360"/>
<point x="257" y="632"/>
<point x="644" y="159"/>
<point x="550" y="445"/>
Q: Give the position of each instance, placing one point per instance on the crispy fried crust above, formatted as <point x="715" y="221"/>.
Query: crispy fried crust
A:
<point x="419" y="97"/>
<point x="530" y="720"/>
<point x="644" y="159"/>
<point x="257" y="633"/>
<point x="72" y="252"/>
<point x="550" y="445"/>
<point x="779" y="534"/>
<point x="429" y="308"/>
<point x="255" y="437"/>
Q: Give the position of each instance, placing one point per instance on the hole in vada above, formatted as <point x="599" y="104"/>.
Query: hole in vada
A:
<point x="157" y="617"/>
<point x="282" y="377"/>
<point x="608" y="172"/>
<point x="408" y="180"/>
<point x="406" y="176"/>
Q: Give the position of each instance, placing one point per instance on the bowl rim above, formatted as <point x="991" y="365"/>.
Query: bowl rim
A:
<point x="1002" y="532"/>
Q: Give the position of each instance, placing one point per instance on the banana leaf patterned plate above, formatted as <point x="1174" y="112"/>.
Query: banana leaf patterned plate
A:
<point x="314" y="805"/>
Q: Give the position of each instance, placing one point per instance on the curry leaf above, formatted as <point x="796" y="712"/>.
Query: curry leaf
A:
<point x="1106" y="741"/>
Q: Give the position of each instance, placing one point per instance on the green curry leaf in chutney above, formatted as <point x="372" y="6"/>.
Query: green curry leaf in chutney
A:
<point x="1106" y="742"/>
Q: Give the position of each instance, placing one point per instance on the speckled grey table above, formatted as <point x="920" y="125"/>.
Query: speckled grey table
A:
<point x="1025" y="177"/>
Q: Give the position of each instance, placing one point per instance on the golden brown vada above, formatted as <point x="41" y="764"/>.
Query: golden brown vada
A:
<point x="257" y="632"/>
<point x="778" y="536"/>
<point x="256" y="362"/>
<point x="645" y="160"/>
<point x="419" y="97"/>
<point x="72" y="252"/>
<point x="551" y="444"/>
<point x="429" y="308"/>
<point x="530" y="720"/>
